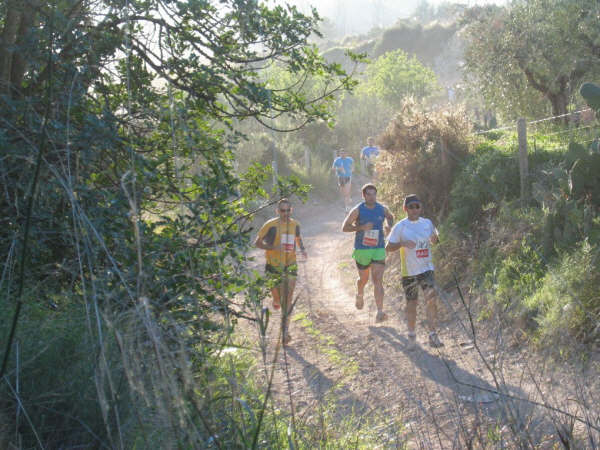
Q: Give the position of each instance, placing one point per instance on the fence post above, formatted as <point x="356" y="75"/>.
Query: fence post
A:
<point x="444" y="151"/>
<point x="274" y="165"/>
<point x="523" y="162"/>
<point x="307" y="160"/>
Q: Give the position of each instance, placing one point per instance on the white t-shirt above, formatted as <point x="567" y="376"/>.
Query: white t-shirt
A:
<point x="414" y="260"/>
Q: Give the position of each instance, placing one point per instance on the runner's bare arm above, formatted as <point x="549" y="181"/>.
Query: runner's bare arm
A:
<point x="350" y="225"/>
<point x="435" y="237"/>
<point x="259" y="243"/>
<point x="389" y="217"/>
<point x="299" y="243"/>
<point x="392" y="247"/>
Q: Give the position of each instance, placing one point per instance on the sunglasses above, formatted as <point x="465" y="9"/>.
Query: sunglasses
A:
<point x="284" y="210"/>
<point x="414" y="206"/>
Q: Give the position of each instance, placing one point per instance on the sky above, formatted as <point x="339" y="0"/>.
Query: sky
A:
<point x="359" y="16"/>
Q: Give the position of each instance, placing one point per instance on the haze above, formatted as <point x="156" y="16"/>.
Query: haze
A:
<point x="359" y="16"/>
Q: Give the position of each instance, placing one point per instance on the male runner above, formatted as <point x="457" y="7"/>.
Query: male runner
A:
<point x="342" y="166"/>
<point x="414" y="235"/>
<point x="366" y="219"/>
<point x="280" y="237"/>
<point x="368" y="155"/>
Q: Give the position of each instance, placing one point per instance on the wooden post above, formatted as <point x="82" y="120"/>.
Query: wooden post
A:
<point x="274" y="165"/>
<point x="307" y="160"/>
<point x="444" y="152"/>
<point x="523" y="163"/>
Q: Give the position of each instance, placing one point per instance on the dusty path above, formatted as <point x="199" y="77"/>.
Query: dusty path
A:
<point x="426" y="398"/>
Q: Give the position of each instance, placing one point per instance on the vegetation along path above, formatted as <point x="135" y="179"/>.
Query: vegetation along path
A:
<point x="343" y="370"/>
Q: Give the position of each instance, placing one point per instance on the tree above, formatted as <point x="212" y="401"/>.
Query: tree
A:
<point x="532" y="49"/>
<point x="117" y="124"/>
<point x="395" y="76"/>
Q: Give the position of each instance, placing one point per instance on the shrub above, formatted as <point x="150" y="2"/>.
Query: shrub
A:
<point x="567" y="305"/>
<point x="413" y="161"/>
<point x="487" y="177"/>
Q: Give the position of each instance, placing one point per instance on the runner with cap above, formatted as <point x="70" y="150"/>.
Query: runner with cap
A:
<point x="414" y="236"/>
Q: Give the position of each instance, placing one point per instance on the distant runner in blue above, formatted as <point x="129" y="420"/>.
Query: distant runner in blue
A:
<point x="342" y="166"/>
<point x="368" y="155"/>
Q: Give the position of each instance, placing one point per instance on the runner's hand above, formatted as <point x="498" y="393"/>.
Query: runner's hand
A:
<point x="366" y="227"/>
<point x="410" y="244"/>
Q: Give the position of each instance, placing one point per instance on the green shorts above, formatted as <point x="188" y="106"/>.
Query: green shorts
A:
<point x="365" y="256"/>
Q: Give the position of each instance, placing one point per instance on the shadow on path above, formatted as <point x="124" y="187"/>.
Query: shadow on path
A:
<point x="468" y="387"/>
<point x="321" y="385"/>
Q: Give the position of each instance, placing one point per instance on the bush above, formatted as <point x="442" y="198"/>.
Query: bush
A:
<point x="567" y="305"/>
<point x="54" y="378"/>
<point x="413" y="161"/>
<point x="488" y="177"/>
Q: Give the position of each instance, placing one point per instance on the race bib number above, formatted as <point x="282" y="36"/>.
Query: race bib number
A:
<point x="423" y="253"/>
<point x="370" y="238"/>
<point x="287" y="242"/>
<point x="422" y="249"/>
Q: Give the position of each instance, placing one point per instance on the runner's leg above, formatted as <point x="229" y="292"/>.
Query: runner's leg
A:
<point x="377" y="277"/>
<point x="411" y="294"/>
<point x="431" y="308"/>
<point x="347" y="192"/>
<point x="289" y="303"/>
<point x="411" y="315"/>
<point x="276" y="297"/>
<point x="362" y="280"/>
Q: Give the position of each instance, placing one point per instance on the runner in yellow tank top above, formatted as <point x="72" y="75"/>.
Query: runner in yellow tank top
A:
<point x="280" y="238"/>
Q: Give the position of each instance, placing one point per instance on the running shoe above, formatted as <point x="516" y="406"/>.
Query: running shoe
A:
<point x="287" y="338"/>
<point x="360" y="302"/>
<point x="434" y="340"/>
<point x="380" y="317"/>
<point x="412" y="341"/>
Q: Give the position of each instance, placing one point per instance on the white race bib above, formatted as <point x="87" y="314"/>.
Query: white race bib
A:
<point x="370" y="238"/>
<point x="422" y="249"/>
<point x="287" y="242"/>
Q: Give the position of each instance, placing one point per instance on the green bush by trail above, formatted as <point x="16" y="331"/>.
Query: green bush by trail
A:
<point x="567" y="303"/>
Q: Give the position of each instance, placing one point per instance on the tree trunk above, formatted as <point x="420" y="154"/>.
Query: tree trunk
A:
<point x="19" y="62"/>
<point x="14" y="15"/>
<point x="559" y="105"/>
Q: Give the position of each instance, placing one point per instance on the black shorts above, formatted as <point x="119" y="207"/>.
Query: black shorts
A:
<point x="291" y="270"/>
<point x="375" y="261"/>
<point x="343" y="181"/>
<point x="411" y="284"/>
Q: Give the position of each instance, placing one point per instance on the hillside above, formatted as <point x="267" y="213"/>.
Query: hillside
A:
<point x="437" y="45"/>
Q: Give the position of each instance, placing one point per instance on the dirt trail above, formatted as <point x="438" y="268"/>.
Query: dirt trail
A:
<point x="427" y="398"/>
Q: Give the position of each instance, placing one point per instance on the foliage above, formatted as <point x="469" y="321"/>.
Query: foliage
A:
<point x="517" y="274"/>
<point x="532" y="49"/>
<point x="487" y="177"/>
<point x="567" y="304"/>
<point x="394" y="76"/>
<point x="414" y="39"/>
<point x="591" y="93"/>
<point x="413" y="156"/>
<point x="119" y="131"/>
